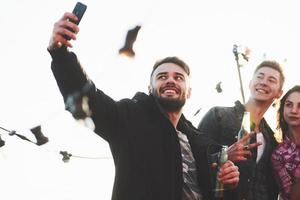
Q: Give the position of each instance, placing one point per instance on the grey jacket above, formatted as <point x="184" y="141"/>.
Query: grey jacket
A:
<point x="257" y="181"/>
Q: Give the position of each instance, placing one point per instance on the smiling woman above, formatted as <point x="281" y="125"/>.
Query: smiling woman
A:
<point x="198" y="31"/>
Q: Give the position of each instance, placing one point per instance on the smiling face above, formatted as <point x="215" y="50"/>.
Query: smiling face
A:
<point x="170" y="85"/>
<point x="291" y="111"/>
<point x="265" y="85"/>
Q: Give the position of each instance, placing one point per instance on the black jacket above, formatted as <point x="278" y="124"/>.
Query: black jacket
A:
<point x="257" y="181"/>
<point x="143" y="142"/>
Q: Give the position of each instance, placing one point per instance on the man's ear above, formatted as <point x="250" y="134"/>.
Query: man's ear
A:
<point x="189" y="93"/>
<point x="149" y="89"/>
<point x="279" y="94"/>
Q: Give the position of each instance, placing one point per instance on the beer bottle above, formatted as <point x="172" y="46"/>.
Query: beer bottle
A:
<point x="223" y="157"/>
<point x="245" y="126"/>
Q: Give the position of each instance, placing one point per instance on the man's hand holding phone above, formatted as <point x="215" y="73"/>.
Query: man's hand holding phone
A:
<point x="66" y="28"/>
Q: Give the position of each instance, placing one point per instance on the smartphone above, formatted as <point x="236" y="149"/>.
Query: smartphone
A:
<point x="78" y="10"/>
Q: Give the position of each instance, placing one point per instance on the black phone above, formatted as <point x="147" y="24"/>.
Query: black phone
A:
<point x="79" y="11"/>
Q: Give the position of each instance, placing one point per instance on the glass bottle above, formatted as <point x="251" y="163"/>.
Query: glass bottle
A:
<point x="223" y="157"/>
<point x="245" y="126"/>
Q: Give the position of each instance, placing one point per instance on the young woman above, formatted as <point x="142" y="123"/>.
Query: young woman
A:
<point x="286" y="157"/>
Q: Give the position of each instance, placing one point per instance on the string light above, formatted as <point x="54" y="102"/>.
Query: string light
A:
<point x="218" y="87"/>
<point x="131" y="36"/>
<point x="36" y="131"/>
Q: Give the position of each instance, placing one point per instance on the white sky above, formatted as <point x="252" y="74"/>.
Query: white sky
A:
<point x="200" y="32"/>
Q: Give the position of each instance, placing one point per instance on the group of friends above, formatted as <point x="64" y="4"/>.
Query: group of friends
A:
<point x="159" y="155"/>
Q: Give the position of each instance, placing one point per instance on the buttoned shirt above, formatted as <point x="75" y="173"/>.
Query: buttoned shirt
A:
<point x="191" y="190"/>
<point x="286" y="165"/>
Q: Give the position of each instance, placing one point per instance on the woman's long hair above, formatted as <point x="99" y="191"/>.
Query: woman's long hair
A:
<point x="281" y="123"/>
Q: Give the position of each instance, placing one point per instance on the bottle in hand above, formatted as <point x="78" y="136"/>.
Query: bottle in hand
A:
<point x="245" y="127"/>
<point x="223" y="157"/>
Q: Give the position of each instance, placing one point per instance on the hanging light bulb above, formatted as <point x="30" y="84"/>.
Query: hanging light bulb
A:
<point x="131" y="36"/>
<point x="218" y="87"/>
<point x="39" y="136"/>
<point x="2" y="142"/>
<point x="66" y="156"/>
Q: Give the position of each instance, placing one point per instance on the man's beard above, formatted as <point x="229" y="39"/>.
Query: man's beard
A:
<point x="170" y="105"/>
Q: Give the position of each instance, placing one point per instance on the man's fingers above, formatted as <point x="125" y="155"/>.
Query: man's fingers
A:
<point x="233" y="180"/>
<point x="240" y="150"/>
<point x="60" y="40"/>
<point x="254" y="145"/>
<point x="64" y="31"/>
<point x="240" y="158"/>
<point x="251" y="146"/>
<point x="240" y="155"/>
<point x="65" y="26"/>
<point x="69" y="16"/>
<point x="72" y="26"/>
<point x="62" y="28"/>
<point x="66" y="42"/>
<point x="246" y="147"/>
<point x="246" y="137"/>
<point x="229" y="173"/>
<point x="228" y="163"/>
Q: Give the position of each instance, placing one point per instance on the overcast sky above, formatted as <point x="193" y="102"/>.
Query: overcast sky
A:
<point x="200" y="32"/>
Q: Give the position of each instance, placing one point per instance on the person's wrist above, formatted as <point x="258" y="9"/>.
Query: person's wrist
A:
<point x="54" y="46"/>
<point x="57" y="53"/>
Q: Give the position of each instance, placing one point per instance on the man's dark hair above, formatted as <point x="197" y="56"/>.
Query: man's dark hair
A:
<point x="281" y="123"/>
<point x="273" y="65"/>
<point x="174" y="60"/>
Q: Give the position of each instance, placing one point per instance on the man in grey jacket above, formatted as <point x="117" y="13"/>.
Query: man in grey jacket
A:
<point x="254" y="161"/>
